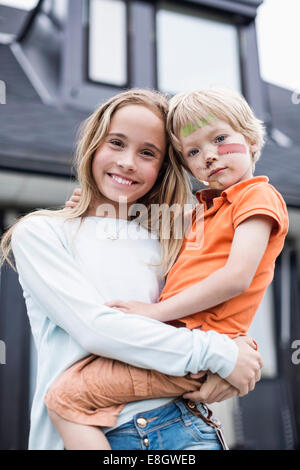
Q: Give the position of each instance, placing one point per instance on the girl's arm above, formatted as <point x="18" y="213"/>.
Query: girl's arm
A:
<point x="50" y="276"/>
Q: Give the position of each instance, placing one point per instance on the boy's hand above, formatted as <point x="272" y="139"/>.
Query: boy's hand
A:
<point x="137" y="308"/>
<point x="214" y="389"/>
<point x="247" y="370"/>
<point x="74" y="199"/>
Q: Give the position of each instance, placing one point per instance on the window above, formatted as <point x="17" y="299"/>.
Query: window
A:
<point x="195" y="50"/>
<point x="107" y="58"/>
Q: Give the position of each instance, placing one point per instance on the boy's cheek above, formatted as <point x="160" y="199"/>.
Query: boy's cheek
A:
<point x="197" y="173"/>
<point x="187" y="161"/>
<point x="190" y="166"/>
<point x="232" y="148"/>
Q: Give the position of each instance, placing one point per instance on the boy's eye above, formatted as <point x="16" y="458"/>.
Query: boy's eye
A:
<point x="220" y="139"/>
<point x="193" y="152"/>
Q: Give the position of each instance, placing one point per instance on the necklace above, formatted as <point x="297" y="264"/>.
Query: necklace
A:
<point x="114" y="230"/>
<point x="111" y="234"/>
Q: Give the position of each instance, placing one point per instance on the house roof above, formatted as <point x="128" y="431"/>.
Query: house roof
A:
<point x="33" y="136"/>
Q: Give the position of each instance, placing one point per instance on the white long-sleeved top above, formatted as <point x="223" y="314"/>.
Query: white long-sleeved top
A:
<point x="67" y="272"/>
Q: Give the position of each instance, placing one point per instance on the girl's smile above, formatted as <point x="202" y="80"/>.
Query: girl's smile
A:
<point x="121" y="180"/>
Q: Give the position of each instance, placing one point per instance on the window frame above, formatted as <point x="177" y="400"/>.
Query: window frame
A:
<point x="81" y="93"/>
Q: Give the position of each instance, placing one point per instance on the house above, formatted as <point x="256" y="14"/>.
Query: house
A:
<point x="53" y="72"/>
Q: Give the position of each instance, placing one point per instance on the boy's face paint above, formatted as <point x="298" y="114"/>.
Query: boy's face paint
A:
<point x="192" y="127"/>
<point x="218" y="155"/>
<point x="231" y="148"/>
<point x="189" y="129"/>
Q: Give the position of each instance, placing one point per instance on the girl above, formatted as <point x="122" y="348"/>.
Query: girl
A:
<point x="71" y="262"/>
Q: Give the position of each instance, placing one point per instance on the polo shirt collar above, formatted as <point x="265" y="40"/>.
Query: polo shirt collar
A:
<point x="205" y="195"/>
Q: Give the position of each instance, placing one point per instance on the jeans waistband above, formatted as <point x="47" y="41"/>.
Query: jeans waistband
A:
<point x="166" y="413"/>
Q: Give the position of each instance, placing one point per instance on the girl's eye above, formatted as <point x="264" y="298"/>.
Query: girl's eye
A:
<point x="220" y="139"/>
<point x="192" y="153"/>
<point x="147" y="153"/>
<point x="118" y="143"/>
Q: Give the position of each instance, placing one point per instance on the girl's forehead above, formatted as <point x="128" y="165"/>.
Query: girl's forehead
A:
<point x="140" y="126"/>
<point x="135" y="116"/>
<point x="137" y="109"/>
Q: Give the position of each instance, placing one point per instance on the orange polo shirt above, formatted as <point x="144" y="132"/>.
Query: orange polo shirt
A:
<point x="254" y="196"/>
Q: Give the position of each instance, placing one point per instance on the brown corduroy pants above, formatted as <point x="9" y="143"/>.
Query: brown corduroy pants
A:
<point x="94" y="390"/>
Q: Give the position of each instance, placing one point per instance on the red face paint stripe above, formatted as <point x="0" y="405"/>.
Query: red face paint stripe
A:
<point x="231" y="148"/>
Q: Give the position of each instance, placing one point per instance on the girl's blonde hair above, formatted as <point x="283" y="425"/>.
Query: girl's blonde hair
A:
<point x="188" y="109"/>
<point x="171" y="187"/>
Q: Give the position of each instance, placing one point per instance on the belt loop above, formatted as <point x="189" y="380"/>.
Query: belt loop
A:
<point x="185" y="415"/>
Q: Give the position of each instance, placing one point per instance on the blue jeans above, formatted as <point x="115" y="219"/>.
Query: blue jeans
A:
<point x="169" y="427"/>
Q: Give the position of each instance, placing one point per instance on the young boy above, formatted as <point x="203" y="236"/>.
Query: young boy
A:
<point x="217" y="285"/>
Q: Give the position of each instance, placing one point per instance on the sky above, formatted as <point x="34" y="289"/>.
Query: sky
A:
<point x="278" y="34"/>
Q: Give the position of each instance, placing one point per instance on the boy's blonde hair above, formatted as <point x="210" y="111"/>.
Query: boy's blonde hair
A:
<point x="190" y="108"/>
<point x="171" y="187"/>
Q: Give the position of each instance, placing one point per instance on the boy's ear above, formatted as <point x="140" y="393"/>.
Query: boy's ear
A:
<point x="253" y="148"/>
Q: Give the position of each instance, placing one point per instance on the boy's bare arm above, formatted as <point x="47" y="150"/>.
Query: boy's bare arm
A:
<point x="248" y="247"/>
<point x="74" y="199"/>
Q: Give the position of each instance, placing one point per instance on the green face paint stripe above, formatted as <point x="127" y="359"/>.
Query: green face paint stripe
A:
<point x="191" y="127"/>
<point x="210" y="117"/>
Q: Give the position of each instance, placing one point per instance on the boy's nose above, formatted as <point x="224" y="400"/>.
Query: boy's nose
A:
<point x="210" y="156"/>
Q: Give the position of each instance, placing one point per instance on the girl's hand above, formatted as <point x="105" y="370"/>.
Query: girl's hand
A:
<point x="137" y="308"/>
<point x="214" y="389"/>
<point x="74" y="199"/>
